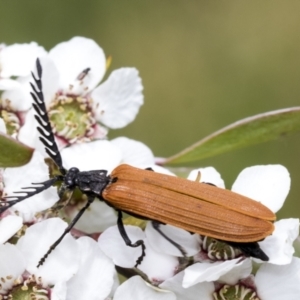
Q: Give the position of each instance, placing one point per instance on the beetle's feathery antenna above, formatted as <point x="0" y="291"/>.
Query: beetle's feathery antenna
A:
<point x="47" y="139"/>
<point x="46" y="134"/>
<point x="4" y="205"/>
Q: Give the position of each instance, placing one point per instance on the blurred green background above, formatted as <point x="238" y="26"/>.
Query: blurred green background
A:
<point x="204" y="65"/>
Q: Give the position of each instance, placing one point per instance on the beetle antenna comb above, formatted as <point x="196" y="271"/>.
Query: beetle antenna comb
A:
<point x="45" y="130"/>
<point x="47" y="139"/>
<point x="14" y="199"/>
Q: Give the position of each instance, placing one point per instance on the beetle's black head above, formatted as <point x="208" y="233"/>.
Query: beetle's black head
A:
<point x="71" y="178"/>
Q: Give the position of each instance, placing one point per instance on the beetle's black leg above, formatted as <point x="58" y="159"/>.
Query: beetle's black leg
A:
<point x="128" y="241"/>
<point x="156" y="226"/>
<point x="68" y="229"/>
<point x="4" y="205"/>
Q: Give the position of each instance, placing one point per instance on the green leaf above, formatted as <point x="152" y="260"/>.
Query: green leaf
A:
<point x="252" y="130"/>
<point x="13" y="153"/>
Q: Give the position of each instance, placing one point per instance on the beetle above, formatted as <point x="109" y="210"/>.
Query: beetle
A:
<point x="196" y="207"/>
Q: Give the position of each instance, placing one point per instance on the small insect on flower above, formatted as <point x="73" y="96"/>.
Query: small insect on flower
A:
<point x="196" y="207"/>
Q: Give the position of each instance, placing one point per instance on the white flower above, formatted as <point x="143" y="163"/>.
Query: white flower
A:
<point x="12" y="265"/>
<point x="181" y="237"/>
<point x="76" y="105"/>
<point x="270" y="185"/>
<point x="207" y="175"/>
<point x="228" y="271"/>
<point x="16" y="60"/>
<point x="18" y="263"/>
<point x="113" y="245"/>
<point x="62" y="263"/>
<point x="203" y="291"/>
<point x="279" y="282"/>
<point x="9" y="226"/>
<point x="137" y="288"/>
<point x="279" y="245"/>
<point x="19" y="59"/>
<point x="33" y="172"/>
<point x="271" y="282"/>
<point x="95" y="276"/>
<point x="75" y="269"/>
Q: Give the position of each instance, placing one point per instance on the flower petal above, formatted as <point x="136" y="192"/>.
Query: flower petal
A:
<point x="62" y="263"/>
<point x="97" y="218"/>
<point x="161" y="170"/>
<point x="198" y="291"/>
<point x="95" y="276"/>
<point x="137" y="288"/>
<point x="134" y="152"/>
<point x="8" y="84"/>
<point x="158" y="266"/>
<point x="118" y="99"/>
<point x="279" y="245"/>
<point x="268" y="184"/>
<point x="12" y="265"/>
<point x="16" y="178"/>
<point x="239" y="271"/>
<point x="74" y="57"/>
<point x="113" y="245"/>
<point x="59" y="291"/>
<point x="279" y="282"/>
<point x="29" y="135"/>
<point x="50" y="79"/>
<point x="202" y="272"/>
<point x="97" y="155"/>
<point x="189" y="242"/>
<point x="19" y="59"/>
<point x="19" y="97"/>
<point x="9" y="226"/>
<point x="208" y="175"/>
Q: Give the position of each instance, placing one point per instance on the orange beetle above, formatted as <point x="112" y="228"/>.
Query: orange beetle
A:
<point x="193" y="206"/>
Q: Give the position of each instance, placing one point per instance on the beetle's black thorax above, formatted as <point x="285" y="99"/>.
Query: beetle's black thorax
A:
<point x="88" y="181"/>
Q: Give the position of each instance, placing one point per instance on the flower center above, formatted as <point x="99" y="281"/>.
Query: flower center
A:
<point x="217" y="250"/>
<point x="71" y="118"/>
<point x="29" y="289"/>
<point x="11" y="120"/>
<point x="235" y="292"/>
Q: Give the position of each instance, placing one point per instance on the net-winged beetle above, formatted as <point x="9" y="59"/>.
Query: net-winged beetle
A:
<point x="193" y="206"/>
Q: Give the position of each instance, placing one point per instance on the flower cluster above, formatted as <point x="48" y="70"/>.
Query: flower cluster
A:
<point x="217" y="271"/>
<point x="80" y="109"/>
<point x="83" y="265"/>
